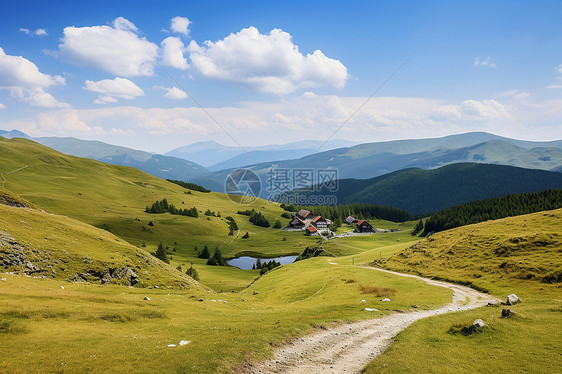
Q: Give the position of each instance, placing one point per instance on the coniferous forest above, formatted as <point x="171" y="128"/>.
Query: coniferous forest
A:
<point x="501" y="207"/>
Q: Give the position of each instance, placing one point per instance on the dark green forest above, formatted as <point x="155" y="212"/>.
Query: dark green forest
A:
<point x="501" y="207"/>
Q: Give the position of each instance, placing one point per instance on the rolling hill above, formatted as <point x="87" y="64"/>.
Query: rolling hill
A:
<point x="158" y="165"/>
<point x="424" y="191"/>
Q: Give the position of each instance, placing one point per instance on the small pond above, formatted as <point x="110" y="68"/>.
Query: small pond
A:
<point x="246" y="262"/>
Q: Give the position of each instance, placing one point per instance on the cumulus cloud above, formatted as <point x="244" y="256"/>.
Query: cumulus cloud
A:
<point x="485" y="62"/>
<point x="172" y="53"/>
<point x="180" y="25"/>
<point x="2" y="106"/>
<point x="17" y="71"/>
<point x="117" y="49"/>
<point x="175" y="93"/>
<point x="26" y="83"/>
<point x="112" y="89"/>
<point x="37" y="32"/>
<point x="37" y="96"/>
<point x="269" y="63"/>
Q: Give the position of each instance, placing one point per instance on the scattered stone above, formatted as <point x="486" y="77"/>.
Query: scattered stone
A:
<point x="156" y="287"/>
<point x="513" y="299"/>
<point x="3" y="279"/>
<point x="62" y="287"/>
<point x="200" y="300"/>
<point x="363" y="301"/>
<point x="507" y="313"/>
<point x="171" y="345"/>
<point x="147" y="298"/>
<point x="184" y="342"/>
<point x="256" y="293"/>
<point x="385" y="299"/>
<point x="493" y="303"/>
<point x="371" y="310"/>
<point x="415" y="306"/>
<point x="31" y="267"/>
<point x="478" y="324"/>
<point x="244" y="300"/>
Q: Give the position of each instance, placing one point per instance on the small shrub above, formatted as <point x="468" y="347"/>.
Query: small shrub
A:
<point x="377" y="291"/>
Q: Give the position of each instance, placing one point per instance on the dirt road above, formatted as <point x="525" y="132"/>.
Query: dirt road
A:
<point x="349" y="347"/>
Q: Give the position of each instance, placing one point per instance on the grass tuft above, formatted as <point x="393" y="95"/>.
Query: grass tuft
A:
<point x="377" y="291"/>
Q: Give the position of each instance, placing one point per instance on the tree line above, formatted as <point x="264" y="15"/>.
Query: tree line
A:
<point x="357" y="210"/>
<point x="490" y="209"/>
<point x="189" y="186"/>
<point x="257" y="218"/>
<point x="162" y="206"/>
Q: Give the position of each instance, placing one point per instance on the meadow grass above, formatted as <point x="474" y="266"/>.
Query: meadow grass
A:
<point x="511" y="255"/>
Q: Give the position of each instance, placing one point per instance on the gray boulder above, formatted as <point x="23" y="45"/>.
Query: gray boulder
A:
<point x="478" y="324"/>
<point x="513" y="299"/>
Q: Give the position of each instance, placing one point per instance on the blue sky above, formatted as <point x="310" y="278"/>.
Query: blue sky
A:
<point x="101" y="70"/>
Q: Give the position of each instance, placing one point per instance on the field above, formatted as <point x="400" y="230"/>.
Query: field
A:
<point x="520" y="255"/>
<point x="84" y="216"/>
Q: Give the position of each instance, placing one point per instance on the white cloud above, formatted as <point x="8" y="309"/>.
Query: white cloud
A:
<point x="180" y="25"/>
<point x="37" y="32"/>
<point x="522" y="95"/>
<point x="17" y="71"/>
<point x="37" y="96"/>
<point x="554" y="86"/>
<point x="172" y="53"/>
<point x="268" y="63"/>
<point x="560" y="68"/>
<point x="116" y="49"/>
<point x="2" y="106"/>
<point x="112" y="89"/>
<point x="26" y="83"/>
<point x="175" y="93"/>
<point x="485" y="62"/>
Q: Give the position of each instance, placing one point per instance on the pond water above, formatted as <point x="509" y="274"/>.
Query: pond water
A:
<point x="246" y="262"/>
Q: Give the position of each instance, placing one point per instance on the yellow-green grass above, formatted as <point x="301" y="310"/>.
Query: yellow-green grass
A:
<point x="93" y="328"/>
<point x="506" y="256"/>
<point x="114" y="197"/>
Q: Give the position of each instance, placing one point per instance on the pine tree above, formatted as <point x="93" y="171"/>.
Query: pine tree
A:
<point x="205" y="253"/>
<point x="192" y="273"/>
<point x="277" y="224"/>
<point x="161" y="254"/>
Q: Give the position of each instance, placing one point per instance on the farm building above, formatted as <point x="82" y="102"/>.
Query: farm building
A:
<point x="364" y="227"/>
<point x="304" y="214"/>
<point x="296" y="223"/>
<point x="350" y="220"/>
<point x="311" y="230"/>
<point x="319" y="222"/>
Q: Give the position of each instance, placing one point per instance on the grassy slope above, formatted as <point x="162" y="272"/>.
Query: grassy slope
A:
<point x="63" y="247"/>
<point x="114" y="198"/>
<point x="505" y="256"/>
<point x="90" y="328"/>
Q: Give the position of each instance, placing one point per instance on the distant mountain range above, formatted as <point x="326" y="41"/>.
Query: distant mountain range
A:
<point x="216" y="156"/>
<point x="425" y="191"/>
<point x="363" y="161"/>
<point x="374" y="159"/>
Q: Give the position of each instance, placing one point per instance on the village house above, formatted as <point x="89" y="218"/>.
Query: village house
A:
<point x="297" y="224"/>
<point x="311" y="230"/>
<point x="351" y="220"/>
<point x="304" y="214"/>
<point x="320" y="222"/>
<point x="364" y="227"/>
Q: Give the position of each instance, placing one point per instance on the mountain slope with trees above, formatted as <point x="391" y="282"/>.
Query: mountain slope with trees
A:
<point x="425" y="191"/>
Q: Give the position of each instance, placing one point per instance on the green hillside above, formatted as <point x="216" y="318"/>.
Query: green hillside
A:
<point x="44" y="245"/>
<point x="518" y="255"/>
<point x="424" y="191"/>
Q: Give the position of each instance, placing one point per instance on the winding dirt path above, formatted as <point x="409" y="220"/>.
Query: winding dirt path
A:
<point x="347" y="348"/>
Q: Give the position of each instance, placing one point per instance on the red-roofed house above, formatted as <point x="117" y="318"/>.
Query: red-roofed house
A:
<point x="311" y="230"/>
<point x="364" y="227"/>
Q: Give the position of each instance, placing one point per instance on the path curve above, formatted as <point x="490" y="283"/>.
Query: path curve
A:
<point x="347" y="348"/>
